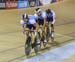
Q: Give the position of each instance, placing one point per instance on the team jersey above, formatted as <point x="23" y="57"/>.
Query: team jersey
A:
<point x="31" y="20"/>
<point x="51" y="17"/>
<point x="52" y="14"/>
<point x="43" y="15"/>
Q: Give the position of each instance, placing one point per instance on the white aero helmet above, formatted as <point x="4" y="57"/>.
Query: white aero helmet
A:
<point x="37" y="10"/>
<point x="24" y="16"/>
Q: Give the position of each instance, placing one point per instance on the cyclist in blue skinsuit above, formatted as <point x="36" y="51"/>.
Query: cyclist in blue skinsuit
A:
<point x="51" y="17"/>
<point x="41" y="19"/>
<point x="29" y="21"/>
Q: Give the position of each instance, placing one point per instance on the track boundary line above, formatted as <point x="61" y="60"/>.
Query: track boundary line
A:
<point x="33" y="52"/>
<point x="23" y="45"/>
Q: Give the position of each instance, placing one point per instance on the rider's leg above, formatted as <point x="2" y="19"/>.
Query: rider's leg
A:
<point x="35" y="26"/>
<point x="44" y="32"/>
<point x="52" y="33"/>
<point x="52" y="29"/>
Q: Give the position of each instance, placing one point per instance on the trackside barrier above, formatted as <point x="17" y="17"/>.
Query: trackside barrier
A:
<point x="59" y="0"/>
<point x="2" y="4"/>
<point x="11" y="4"/>
<point x="23" y="4"/>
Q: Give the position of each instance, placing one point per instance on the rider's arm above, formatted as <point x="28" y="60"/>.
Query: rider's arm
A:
<point x="23" y="25"/>
<point x="44" y="21"/>
<point x="54" y="16"/>
<point x="44" y="17"/>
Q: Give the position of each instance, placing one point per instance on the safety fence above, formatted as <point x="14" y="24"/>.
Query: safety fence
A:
<point x="10" y="4"/>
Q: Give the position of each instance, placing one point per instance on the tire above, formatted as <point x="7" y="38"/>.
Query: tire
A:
<point x="42" y="39"/>
<point x="37" y="46"/>
<point x="28" y="46"/>
<point x="48" y="35"/>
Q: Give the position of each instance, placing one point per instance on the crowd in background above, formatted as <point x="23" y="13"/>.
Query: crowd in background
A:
<point x="5" y="4"/>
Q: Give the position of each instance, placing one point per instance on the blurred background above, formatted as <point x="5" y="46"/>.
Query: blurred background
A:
<point x="9" y="4"/>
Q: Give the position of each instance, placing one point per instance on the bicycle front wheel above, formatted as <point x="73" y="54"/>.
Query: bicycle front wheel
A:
<point x="28" y="46"/>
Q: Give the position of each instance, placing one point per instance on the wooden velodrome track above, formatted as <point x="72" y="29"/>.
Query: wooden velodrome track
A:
<point x="12" y="39"/>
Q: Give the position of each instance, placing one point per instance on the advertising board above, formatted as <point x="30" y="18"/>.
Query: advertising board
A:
<point x="11" y="4"/>
<point x="2" y="4"/>
<point x="23" y="4"/>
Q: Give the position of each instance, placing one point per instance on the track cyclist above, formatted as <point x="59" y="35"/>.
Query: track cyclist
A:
<point x="29" y="22"/>
<point x="51" y="17"/>
<point x="41" y="20"/>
